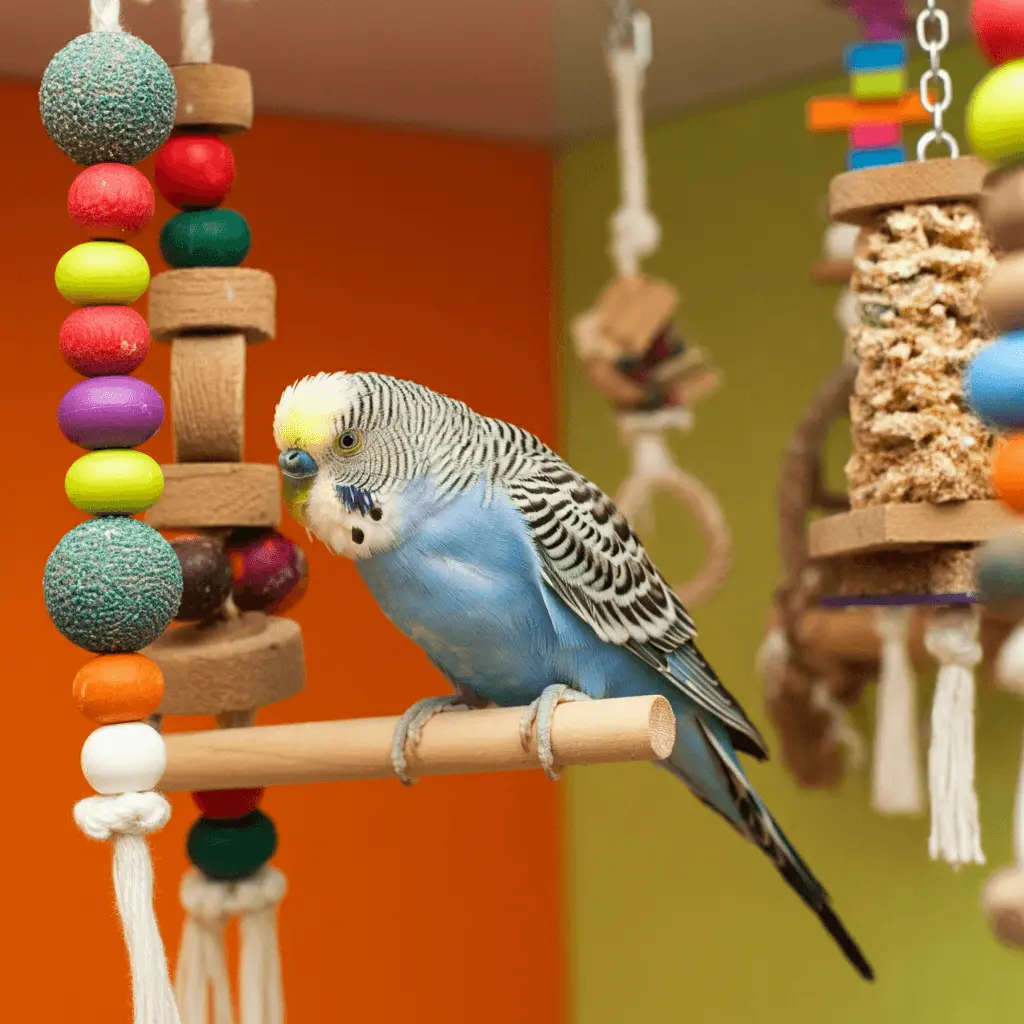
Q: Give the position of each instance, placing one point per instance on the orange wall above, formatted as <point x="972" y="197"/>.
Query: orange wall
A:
<point x="406" y="253"/>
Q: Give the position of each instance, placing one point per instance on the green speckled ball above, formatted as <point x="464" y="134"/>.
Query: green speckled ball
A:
<point x="108" y="97"/>
<point x="112" y="585"/>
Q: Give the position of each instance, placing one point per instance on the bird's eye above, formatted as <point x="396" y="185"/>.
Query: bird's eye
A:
<point x="350" y="442"/>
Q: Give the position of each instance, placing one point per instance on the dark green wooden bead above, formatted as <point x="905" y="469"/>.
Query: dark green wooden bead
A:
<point x="232" y="849"/>
<point x="205" y="238"/>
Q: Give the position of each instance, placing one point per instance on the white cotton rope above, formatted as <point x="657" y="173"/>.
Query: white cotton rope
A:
<point x="104" y="15"/>
<point x="896" y="783"/>
<point x="635" y="231"/>
<point x="955" y="829"/>
<point x="196" y="32"/>
<point x="127" y="819"/>
<point x="202" y="973"/>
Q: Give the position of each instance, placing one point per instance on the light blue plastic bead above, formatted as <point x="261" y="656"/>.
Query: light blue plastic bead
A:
<point x="994" y="382"/>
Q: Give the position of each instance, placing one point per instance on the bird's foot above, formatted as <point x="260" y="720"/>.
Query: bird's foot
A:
<point x="539" y="715"/>
<point x="409" y="730"/>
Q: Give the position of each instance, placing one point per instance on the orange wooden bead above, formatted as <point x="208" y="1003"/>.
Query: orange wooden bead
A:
<point x="1008" y="471"/>
<point x="119" y="688"/>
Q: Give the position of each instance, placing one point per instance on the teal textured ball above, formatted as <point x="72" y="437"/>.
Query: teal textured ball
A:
<point x="112" y="585"/>
<point x="205" y="238"/>
<point x="108" y="97"/>
<point x="232" y="849"/>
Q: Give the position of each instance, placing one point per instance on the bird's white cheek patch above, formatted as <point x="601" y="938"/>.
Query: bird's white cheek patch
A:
<point x="348" y="533"/>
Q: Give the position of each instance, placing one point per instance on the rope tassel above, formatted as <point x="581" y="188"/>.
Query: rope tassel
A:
<point x="202" y="977"/>
<point x="896" y="784"/>
<point x="952" y="639"/>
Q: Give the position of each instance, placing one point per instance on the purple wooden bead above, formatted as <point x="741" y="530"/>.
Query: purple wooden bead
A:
<point x="110" y="412"/>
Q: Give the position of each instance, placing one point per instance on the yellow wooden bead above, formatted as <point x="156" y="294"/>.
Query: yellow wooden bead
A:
<point x="114" y="481"/>
<point x="102" y="274"/>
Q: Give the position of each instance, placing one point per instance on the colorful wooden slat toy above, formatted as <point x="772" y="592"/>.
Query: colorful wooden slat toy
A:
<point x="841" y="113"/>
<point x="875" y="136"/>
<point x="879" y="85"/>
<point x="877" y="156"/>
<point x="862" y="57"/>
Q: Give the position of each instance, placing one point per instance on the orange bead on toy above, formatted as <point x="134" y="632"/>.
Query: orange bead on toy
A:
<point x="119" y="688"/>
<point x="1008" y="471"/>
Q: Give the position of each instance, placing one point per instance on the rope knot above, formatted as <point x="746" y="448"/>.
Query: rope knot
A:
<point x="212" y="903"/>
<point x="954" y="645"/>
<point x="126" y="814"/>
<point x="635" y="234"/>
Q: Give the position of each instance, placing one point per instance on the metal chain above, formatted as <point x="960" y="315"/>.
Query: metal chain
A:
<point x="933" y="38"/>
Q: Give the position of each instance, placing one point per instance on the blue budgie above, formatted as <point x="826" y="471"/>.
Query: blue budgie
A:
<point x="519" y="579"/>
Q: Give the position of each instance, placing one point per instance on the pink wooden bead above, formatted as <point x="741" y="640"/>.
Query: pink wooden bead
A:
<point x="875" y="136"/>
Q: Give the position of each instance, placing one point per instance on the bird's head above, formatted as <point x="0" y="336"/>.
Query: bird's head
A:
<point x="343" y="454"/>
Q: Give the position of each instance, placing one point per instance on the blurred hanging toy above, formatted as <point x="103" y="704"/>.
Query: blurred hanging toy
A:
<point x="630" y="349"/>
<point x="995" y="378"/>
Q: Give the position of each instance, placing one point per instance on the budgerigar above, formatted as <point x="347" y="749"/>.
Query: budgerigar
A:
<point x="519" y="579"/>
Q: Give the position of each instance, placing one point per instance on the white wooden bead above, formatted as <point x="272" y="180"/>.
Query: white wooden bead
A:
<point x="840" y="240"/>
<point x="129" y="757"/>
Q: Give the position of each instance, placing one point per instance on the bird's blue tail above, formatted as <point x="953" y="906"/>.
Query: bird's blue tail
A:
<point x="732" y="796"/>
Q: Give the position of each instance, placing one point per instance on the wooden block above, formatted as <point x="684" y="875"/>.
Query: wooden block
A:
<point x="871" y="86"/>
<point x="208" y="398"/>
<point x="206" y="495"/>
<point x="912" y="574"/>
<point x="907" y="525"/>
<point x="1002" y="295"/>
<point x="875" y="156"/>
<point x="884" y="56"/>
<point x="873" y="136"/>
<point x="213" y="97"/>
<point x="1002" y="208"/>
<point x="213" y="300"/>
<point x="841" y="113"/>
<point x="832" y="271"/>
<point x="235" y="665"/>
<point x="857" y="196"/>
<point x="633" y="310"/>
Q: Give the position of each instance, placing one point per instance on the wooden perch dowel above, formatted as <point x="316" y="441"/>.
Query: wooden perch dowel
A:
<point x="583" y="732"/>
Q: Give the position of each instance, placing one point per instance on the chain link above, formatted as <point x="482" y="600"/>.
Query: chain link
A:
<point x="933" y="38"/>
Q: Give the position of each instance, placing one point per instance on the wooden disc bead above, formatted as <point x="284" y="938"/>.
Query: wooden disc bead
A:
<point x="1002" y="900"/>
<point x="250" y="661"/>
<point x="203" y="495"/>
<point x="111" y="201"/>
<point x="100" y="341"/>
<point x="856" y="196"/>
<point x="194" y="172"/>
<point x="632" y="311"/>
<point x="214" y="97"/>
<point x="208" y="398"/>
<point x="207" y="300"/>
<point x="1002" y="295"/>
<point x="227" y="803"/>
<point x="1002" y="208"/>
<point x="230" y="850"/>
<point x="118" y="688"/>
<point x="102" y="273"/>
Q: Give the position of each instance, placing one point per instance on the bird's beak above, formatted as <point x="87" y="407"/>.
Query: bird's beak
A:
<point x="299" y="471"/>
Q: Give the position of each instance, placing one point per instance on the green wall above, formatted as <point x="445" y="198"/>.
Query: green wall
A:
<point x="673" y="917"/>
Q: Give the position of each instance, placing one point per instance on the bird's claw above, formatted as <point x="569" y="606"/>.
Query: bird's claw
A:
<point x="539" y="715"/>
<point x="409" y="730"/>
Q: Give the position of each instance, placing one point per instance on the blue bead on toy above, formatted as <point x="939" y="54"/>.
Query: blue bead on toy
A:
<point x="994" y="382"/>
<point x="875" y="56"/>
<point x="882" y="156"/>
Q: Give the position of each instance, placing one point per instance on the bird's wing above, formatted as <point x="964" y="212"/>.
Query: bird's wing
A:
<point x="592" y="559"/>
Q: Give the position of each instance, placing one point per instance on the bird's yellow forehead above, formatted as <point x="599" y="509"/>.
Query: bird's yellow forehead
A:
<point x="304" y="428"/>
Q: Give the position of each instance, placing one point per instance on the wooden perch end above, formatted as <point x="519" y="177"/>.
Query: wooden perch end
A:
<point x="583" y="732"/>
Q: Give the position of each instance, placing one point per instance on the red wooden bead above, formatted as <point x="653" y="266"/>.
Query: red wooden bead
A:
<point x="111" y="200"/>
<point x="194" y="172"/>
<point x="99" y="341"/>
<point x="999" y="29"/>
<point x="228" y="803"/>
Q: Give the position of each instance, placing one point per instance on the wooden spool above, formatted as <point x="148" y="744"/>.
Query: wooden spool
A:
<point x="236" y="665"/>
<point x="1002" y="208"/>
<point x="209" y="495"/>
<point x="213" y="300"/>
<point x="213" y="98"/>
<point x="1003" y="294"/>
<point x="208" y="398"/>
<point x="916" y="550"/>
<point x="633" y="310"/>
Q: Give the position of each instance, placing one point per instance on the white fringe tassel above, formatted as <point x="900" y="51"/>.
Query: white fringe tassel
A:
<point x="952" y="639"/>
<point x="896" y="784"/>
<point x="127" y="819"/>
<point x="202" y="974"/>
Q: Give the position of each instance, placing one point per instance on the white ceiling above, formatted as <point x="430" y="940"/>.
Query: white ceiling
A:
<point x="527" y="69"/>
